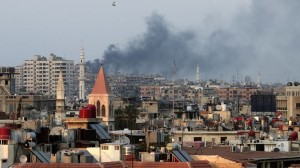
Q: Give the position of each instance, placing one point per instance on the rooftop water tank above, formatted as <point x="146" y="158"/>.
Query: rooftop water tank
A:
<point x="223" y="107"/>
<point x="251" y="133"/>
<point x="93" y="108"/>
<point x="85" y="113"/>
<point x="293" y="136"/>
<point x="128" y="152"/>
<point x="5" y="133"/>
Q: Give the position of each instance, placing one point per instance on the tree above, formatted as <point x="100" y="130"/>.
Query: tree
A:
<point x="126" y="117"/>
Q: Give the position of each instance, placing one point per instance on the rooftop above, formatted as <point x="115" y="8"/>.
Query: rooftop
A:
<point x="193" y="164"/>
<point x="224" y="151"/>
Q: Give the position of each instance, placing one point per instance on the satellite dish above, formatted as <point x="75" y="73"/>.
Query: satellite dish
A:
<point x="219" y="107"/>
<point x="56" y="130"/>
<point x="23" y="159"/>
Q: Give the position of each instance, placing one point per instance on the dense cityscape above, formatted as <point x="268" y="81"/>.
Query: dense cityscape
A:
<point x="144" y="84"/>
<point x="56" y="111"/>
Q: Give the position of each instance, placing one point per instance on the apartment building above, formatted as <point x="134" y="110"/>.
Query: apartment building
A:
<point x="234" y="93"/>
<point x="292" y="92"/>
<point x="40" y="75"/>
<point x="128" y="85"/>
<point x="9" y="101"/>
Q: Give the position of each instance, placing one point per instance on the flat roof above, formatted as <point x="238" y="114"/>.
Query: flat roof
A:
<point x="78" y="120"/>
<point x="224" y="151"/>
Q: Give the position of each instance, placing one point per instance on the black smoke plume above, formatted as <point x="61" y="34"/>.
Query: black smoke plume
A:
<point x="263" y="39"/>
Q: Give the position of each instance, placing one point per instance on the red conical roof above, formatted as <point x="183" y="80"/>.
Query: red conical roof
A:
<point x="101" y="86"/>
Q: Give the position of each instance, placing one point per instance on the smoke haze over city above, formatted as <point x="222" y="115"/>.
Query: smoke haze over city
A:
<point x="263" y="39"/>
<point x="248" y="37"/>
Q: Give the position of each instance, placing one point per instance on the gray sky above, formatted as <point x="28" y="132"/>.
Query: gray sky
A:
<point x="223" y="37"/>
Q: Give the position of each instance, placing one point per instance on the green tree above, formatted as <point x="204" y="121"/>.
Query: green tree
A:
<point x="126" y="117"/>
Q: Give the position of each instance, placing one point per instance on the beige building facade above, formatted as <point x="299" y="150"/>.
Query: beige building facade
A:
<point x="40" y="75"/>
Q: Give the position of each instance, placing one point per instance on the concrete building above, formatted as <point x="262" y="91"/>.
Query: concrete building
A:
<point x="103" y="100"/>
<point x="281" y="105"/>
<point x="6" y="157"/>
<point x="292" y="92"/>
<point x="7" y="81"/>
<point x="39" y="75"/>
<point x="9" y="101"/>
<point x="148" y="111"/>
<point x="111" y="152"/>
<point x="19" y="79"/>
<point x="288" y="103"/>
<point x="234" y="93"/>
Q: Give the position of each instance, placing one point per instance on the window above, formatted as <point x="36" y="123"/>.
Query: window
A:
<point x="223" y="139"/>
<point x="179" y="139"/>
<point x="297" y="105"/>
<point x="4" y="142"/>
<point x="103" y="111"/>
<point x="117" y="147"/>
<point x="197" y="138"/>
<point x="104" y="147"/>
<point x="98" y="108"/>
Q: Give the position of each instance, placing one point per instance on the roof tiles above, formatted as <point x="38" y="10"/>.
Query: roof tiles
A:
<point x="101" y="86"/>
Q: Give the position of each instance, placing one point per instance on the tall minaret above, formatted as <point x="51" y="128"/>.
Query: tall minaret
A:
<point x="197" y="74"/>
<point x="81" y="77"/>
<point x="60" y="98"/>
<point x="258" y="81"/>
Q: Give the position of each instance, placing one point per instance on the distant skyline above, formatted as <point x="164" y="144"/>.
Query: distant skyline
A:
<point x="223" y="37"/>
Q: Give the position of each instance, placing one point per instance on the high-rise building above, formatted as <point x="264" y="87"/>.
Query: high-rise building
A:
<point x="40" y="75"/>
<point x="11" y="102"/>
<point x="19" y="78"/>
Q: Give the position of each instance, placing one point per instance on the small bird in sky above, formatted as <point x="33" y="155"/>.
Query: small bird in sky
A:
<point x="114" y="3"/>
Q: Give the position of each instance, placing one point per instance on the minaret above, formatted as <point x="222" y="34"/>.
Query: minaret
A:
<point x="81" y="77"/>
<point x="60" y="98"/>
<point x="197" y="75"/>
<point x="258" y="81"/>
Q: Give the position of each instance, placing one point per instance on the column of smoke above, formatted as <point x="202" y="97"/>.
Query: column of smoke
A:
<point x="159" y="46"/>
<point x="257" y="40"/>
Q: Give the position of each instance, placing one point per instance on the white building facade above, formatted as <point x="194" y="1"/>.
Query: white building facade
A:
<point x="40" y="75"/>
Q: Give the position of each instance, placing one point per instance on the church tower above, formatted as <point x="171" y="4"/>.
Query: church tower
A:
<point x="60" y="98"/>
<point x="81" y="77"/>
<point x="101" y="97"/>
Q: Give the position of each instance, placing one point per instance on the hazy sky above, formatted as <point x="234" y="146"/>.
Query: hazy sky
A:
<point x="223" y="37"/>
